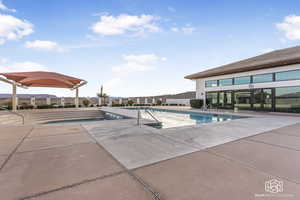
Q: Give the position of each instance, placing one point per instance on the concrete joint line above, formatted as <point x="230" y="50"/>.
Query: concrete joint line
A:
<point x="64" y="146"/>
<point x="249" y="166"/>
<point x="274" y="145"/>
<point x="15" y="149"/>
<point x="71" y="185"/>
<point x="147" y="188"/>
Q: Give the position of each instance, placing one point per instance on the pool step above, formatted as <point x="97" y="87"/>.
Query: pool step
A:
<point x="57" y="115"/>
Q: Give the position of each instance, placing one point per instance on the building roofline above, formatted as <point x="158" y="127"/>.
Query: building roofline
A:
<point x="272" y="59"/>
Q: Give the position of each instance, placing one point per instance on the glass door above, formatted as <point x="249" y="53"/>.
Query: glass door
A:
<point x="242" y="99"/>
<point x="262" y="99"/>
<point x="267" y="100"/>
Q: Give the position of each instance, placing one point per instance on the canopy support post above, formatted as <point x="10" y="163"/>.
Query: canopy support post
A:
<point x="77" y="98"/>
<point x="14" y="97"/>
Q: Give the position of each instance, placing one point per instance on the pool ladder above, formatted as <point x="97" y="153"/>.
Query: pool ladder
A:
<point x="151" y="115"/>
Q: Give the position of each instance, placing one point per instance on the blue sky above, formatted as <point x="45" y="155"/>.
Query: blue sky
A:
<point x="137" y="48"/>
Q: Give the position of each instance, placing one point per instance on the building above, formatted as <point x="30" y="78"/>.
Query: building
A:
<point x="178" y="99"/>
<point x="268" y="82"/>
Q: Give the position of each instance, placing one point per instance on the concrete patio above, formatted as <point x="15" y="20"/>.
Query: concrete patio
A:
<point x="118" y="160"/>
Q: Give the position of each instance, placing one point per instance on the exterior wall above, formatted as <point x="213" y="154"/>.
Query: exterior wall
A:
<point x="201" y="89"/>
<point x="178" y="101"/>
<point x="40" y="101"/>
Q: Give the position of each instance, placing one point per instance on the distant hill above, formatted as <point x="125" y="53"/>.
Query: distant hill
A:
<point x="29" y="96"/>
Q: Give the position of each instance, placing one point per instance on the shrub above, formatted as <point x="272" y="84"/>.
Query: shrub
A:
<point x="86" y="102"/>
<point x="26" y="106"/>
<point x="44" y="106"/>
<point x="196" y="103"/>
<point x="158" y="102"/>
<point x="130" y="102"/>
<point x="70" y="106"/>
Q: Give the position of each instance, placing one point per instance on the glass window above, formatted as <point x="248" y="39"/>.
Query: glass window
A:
<point x="211" y="83"/>
<point x="242" y="80"/>
<point x="225" y="82"/>
<point x="242" y="99"/>
<point x="287" y="99"/>
<point x="262" y="78"/>
<point x="225" y="99"/>
<point x="212" y="99"/>
<point x="289" y="75"/>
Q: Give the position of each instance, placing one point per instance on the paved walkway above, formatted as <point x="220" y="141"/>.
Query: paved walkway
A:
<point x="77" y="161"/>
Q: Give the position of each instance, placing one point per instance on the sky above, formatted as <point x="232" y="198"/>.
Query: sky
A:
<point x="138" y="47"/>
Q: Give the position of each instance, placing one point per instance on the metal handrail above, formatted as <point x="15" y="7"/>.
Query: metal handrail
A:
<point x="151" y="114"/>
<point x="15" y="113"/>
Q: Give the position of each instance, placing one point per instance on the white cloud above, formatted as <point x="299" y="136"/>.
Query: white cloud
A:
<point x="187" y="29"/>
<point x="12" y="28"/>
<point x="9" y="66"/>
<point x="113" y="83"/>
<point x="267" y="50"/>
<point x="138" y="63"/>
<point x="4" y="8"/>
<point x="171" y="9"/>
<point x="42" y="45"/>
<point x="124" y="23"/>
<point x="291" y="27"/>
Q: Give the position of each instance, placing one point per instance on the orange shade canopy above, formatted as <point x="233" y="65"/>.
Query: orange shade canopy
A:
<point x="43" y="79"/>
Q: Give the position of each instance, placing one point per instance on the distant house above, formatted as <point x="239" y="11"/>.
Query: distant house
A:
<point x="268" y="82"/>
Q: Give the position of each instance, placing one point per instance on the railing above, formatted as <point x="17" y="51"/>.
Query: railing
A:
<point x="15" y="113"/>
<point x="151" y="115"/>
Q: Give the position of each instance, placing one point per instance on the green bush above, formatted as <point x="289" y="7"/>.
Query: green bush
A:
<point x="196" y="103"/>
<point x="25" y="107"/>
<point x="86" y="102"/>
<point x="158" y="102"/>
<point x="44" y="106"/>
<point x="70" y="106"/>
<point x="117" y="105"/>
<point x="130" y="102"/>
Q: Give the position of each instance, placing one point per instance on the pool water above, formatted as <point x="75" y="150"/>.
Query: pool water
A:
<point x="173" y="118"/>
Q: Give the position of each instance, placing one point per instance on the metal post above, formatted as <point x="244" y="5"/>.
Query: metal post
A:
<point x="138" y="117"/>
<point x="77" y="98"/>
<point x="14" y="97"/>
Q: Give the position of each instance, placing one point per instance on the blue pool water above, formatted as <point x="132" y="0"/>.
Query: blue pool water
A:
<point x="174" y="118"/>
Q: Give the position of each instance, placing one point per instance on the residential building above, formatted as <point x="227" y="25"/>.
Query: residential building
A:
<point x="268" y="82"/>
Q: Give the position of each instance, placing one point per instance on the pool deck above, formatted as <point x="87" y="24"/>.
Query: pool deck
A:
<point x="119" y="160"/>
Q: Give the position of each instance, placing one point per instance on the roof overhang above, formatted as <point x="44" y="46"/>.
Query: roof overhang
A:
<point x="278" y="58"/>
<point x="42" y="79"/>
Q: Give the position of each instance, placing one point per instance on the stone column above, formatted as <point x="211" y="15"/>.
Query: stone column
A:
<point x="14" y="97"/>
<point x="146" y="100"/>
<point x="153" y="101"/>
<point x="138" y="100"/>
<point x="77" y="98"/>
<point x="32" y="101"/>
<point x="120" y="101"/>
<point x="48" y="101"/>
<point x="62" y="101"/>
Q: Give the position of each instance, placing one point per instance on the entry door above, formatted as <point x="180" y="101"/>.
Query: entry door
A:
<point x="262" y="99"/>
<point x="267" y="100"/>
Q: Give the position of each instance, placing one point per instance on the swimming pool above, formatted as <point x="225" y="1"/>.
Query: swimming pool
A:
<point x="108" y="116"/>
<point x="174" y="118"/>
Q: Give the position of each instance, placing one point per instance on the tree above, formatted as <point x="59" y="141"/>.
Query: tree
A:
<point x="102" y="95"/>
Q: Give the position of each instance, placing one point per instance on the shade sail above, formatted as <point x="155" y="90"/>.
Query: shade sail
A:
<point x="43" y="79"/>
